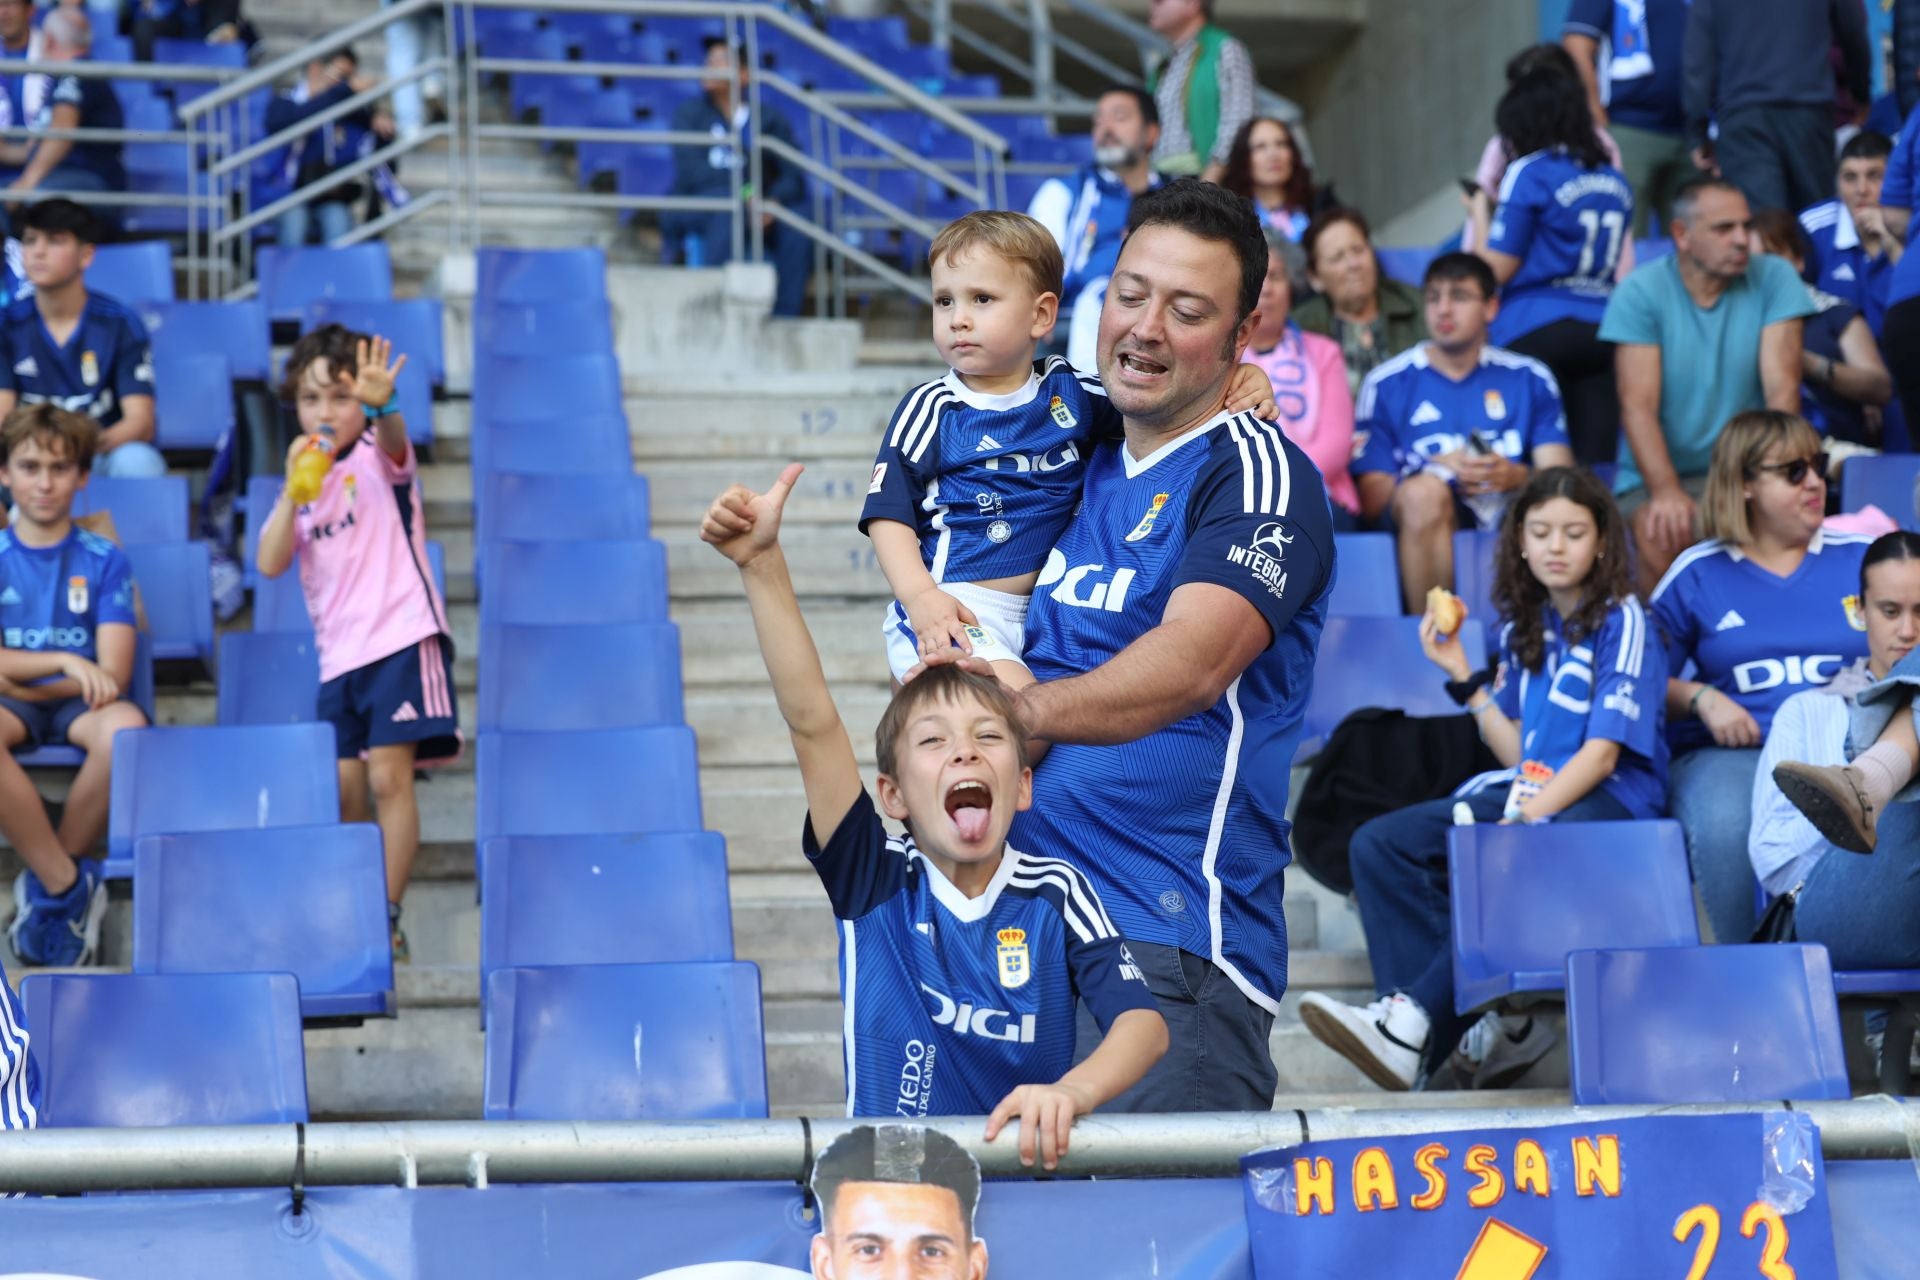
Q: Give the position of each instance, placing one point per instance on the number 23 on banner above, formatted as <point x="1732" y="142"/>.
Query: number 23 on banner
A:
<point x="1759" y="1215"/>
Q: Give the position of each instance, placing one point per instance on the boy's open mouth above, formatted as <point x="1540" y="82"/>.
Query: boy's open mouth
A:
<point x="970" y="805"/>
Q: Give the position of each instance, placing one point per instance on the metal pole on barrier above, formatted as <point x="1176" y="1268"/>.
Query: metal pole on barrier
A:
<point x="448" y="1153"/>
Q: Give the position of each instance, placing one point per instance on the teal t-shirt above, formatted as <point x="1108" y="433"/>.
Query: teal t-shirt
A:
<point x="1710" y="358"/>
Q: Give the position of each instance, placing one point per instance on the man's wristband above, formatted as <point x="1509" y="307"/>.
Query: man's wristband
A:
<point x="1693" y="703"/>
<point x="1462" y="690"/>
<point x="391" y="406"/>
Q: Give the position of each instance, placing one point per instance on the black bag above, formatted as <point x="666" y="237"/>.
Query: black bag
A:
<point x="1378" y="760"/>
<point x="1778" y="924"/>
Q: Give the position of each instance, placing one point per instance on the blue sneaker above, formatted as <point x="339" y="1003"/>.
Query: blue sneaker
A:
<point x="58" y="929"/>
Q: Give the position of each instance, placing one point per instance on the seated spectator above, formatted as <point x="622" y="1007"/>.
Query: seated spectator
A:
<point x="1853" y="256"/>
<point x="1555" y="244"/>
<point x="1087" y="213"/>
<point x="19" y="42"/>
<point x="327" y="215"/>
<point x="1266" y="166"/>
<point x="67" y="618"/>
<point x="65" y="102"/>
<point x="1371" y="317"/>
<point x="719" y="171"/>
<point x="218" y="21"/>
<point x="1565" y="710"/>
<point x="1844" y="383"/>
<point x="1761" y="611"/>
<point x="1204" y="89"/>
<point x="1449" y="430"/>
<point x="82" y="351"/>
<point x="1703" y="334"/>
<point x="1309" y="381"/>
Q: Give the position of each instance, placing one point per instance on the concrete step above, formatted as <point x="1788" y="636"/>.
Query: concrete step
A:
<point x="744" y="727"/>
<point x="826" y="560"/>
<point x="717" y="646"/>
<point x="427" y="1064"/>
<point x="831" y="490"/>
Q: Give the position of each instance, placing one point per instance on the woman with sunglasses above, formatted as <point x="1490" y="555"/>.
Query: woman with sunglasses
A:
<point x="1766" y="607"/>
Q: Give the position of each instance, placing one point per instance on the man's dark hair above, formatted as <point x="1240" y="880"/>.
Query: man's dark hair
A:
<point x="1544" y="110"/>
<point x="710" y="43"/>
<point x="1548" y="55"/>
<point x="55" y="216"/>
<point x="911" y="1154"/>
<point x="1901" y="544"/>
<point x="1462" y="266"/>
<point x="1149" y="109"/>
<point x="1211" y="213"/>
<point x="1868" y="144"/>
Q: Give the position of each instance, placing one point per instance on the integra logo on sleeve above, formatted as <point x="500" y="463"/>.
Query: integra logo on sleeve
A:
<point x="1263" y="558"/>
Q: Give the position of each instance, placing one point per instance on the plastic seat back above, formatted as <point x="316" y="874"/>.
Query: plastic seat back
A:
<point x="178" y="595"/>
<point x="545" y="328"/>
<point x="1473" y="553"/>
<point x="619" y="676"/>
<point x="1376" y="662"/>
<point x="270" y="677"/>
<point x="597" y="782"/>
<point x="145" y="1050"/>
<point x="1704" y="1024"/>
<point x="534" y="275"/>
<point x="1887" y="482"/>
<point x="291" y="279"/>
<point x="1367" y="579"/>
<point x="568" y="583"/>
<point x="415" y="326"/>
<point x="554" y="389"/>
<point x="139" y="271"/>
<point x="192" y="398"/>
<point x="515" y="506"/>
<point x="625" y="1042"/>
<point x="238" y="330"/>
<point x="144" y="508"/>
<point x="594" y="444"/>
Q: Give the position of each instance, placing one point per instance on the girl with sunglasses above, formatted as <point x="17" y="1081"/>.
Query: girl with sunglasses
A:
<point x="1766" y="607"/>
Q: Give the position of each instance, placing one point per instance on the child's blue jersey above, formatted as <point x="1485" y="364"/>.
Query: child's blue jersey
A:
<point x="1567" y="225"/>
<point x="988" y="482"/>
<point x="1411" y="413"/>
<point x="19" y="1077"/>
<point x="1756" y="637"/>
<point x="58" y="597"/>
<point x="105" y="360"/>
<point x="1842" y="268"/>
<point x="1184" y="831"/>
<point x="1610" y="685"/>
<point x="954" y="1002"/>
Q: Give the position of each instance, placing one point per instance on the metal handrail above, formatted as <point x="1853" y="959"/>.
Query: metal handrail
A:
<point x="267" y="73"/>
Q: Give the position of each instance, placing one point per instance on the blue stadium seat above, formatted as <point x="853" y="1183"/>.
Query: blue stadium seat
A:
<point x="580" y="677"/>
<point x="554" y="389"/>
<point x="538" y="93"/>
<point x="1523" y="897"/>
<point x="279" y="605"/>
<point x="574" y="583"/>
<point x="154" y="115"/>
<point x="291" y="279"/>
<point x="535" y="275"/>
<point x="1651" y="249"/>
<point x="550" y="900"/>
<point x="144" y="509"/>
<point x="625" y="1042"/>
<point x="262" y="493"/>
<point x="1473" y="553"/>
<point x="1376" y="662"/>
<point x="644" y="170"/>
<point x="192" y="398"/>
<point x="141" y="271"/>
<point x="238" y="330"/>
<point x="168" y="218"/>
<point x="178" y="595"/>
<point x="1704" y="1024"/>
<point x="1367" y="582"/>
<point x="168" y="781"/>
<point x="1407" y="266"/>
<point x="600" y="782"/>
<point x="541" y="329"/>
<point x="110" y="46"/>
<point x="198" y="53"/>
<point x="139" y="692"/>
<point x="1886" y="482"/>
<point x="879" y="34"/>
<point x="513" y="505"/>
<point x="267" y="678"/>
<point x="137" y="1051"/>
<point x="309" y="901"/>
<point x="415" y="326"/>
<point x="592" y="444"/>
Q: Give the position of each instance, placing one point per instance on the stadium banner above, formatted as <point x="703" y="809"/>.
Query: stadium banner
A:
<point x="1732" y="1195"/>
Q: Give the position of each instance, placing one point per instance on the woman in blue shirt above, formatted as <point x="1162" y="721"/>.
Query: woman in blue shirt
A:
<point x="1573" y="710"/>
<point x="1554" y="243"/>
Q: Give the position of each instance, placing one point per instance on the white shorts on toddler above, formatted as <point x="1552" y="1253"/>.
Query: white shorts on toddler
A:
<point x="1001" y="635"/>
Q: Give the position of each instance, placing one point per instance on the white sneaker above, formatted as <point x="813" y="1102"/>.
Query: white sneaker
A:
<point x="1385" y="1039"/>
<point x="1497" y="1050"/>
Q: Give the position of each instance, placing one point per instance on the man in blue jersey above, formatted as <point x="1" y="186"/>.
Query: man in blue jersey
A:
<point x="82" y="351"/>
<point x="1450" y="429"/>
<point x="66" y="653"/>
<point x="1629" y="55"/>
<point x="1172" y="635"/>
<point x="65" y="102"/>
<point x="961" y="958"/>
<point x="1853" y="256"/>
<point x="1087" y="212"/>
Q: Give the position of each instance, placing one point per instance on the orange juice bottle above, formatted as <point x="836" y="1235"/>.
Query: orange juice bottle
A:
<point x="309" y="469"/>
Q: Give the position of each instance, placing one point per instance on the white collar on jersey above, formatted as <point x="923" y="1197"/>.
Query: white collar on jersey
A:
<point x="1152" y="460"/>
<point x="1813" y="545"/>
<point x="959" y="905"/>
<point x="1845" y="234"/>
<point x="979" y="400"/>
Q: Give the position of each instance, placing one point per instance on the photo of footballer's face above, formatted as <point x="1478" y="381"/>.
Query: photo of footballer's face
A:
<point x="897" y="1231"/>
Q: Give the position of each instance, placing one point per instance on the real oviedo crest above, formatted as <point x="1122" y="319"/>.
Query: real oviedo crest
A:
<point x="1014" y="967"/>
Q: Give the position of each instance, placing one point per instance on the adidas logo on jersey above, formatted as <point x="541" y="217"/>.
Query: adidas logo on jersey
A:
<point x="27" y="368"/>
<point x="1729" y="621"/>
<point x="986" y="443"/>
<point x="9" y="596"/>
<point x="1424" y="414"/>
<point x="405" y="713"/>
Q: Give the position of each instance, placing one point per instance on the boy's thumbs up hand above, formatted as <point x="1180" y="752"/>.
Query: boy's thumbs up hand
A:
<point x="741" y="524"/>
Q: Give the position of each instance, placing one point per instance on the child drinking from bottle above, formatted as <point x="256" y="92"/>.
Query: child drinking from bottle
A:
<point x="386" y="653"/>
<point x="1573" y="709"/>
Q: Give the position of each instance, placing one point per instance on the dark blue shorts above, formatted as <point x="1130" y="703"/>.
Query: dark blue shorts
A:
<point x="403" y="697"/>
<point x="47" y="722"/>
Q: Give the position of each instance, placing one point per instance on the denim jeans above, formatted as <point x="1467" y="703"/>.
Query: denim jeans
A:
<point x="1866" y="910"/>
<point x="1873" y="708"/>
<point x="1711" y="792"/>
<point x="334" y="218"/>
<point x="406" y="47"/>
<point x="1399" y="862"/>
<point x="135" y="459"/>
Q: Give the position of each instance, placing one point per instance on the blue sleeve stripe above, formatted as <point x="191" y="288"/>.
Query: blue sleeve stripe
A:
<point x="1266" y="481"/>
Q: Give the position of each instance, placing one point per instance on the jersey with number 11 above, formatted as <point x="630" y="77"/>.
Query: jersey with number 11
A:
<point x="1567" y="224"/>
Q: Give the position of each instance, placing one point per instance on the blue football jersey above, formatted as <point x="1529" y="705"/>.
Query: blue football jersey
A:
<point x="1184" y="832"/>
<point x="106" y="359"/>
<point x="954" y="1002"/>
<point x="1899" y="192"/>
<point x="1842" y="268"/>
<point x="1567" y="225"/>
<point x="988" y="482"/>
<point x="1756" y="637"/>
<point x="57" y="598"/>
<point x="19" y="1077"/>
<point x="1610" y="685"/>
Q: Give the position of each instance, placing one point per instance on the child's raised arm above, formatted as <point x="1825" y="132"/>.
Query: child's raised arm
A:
<point x="373" y="384"/>
<point x="744" y="526"/>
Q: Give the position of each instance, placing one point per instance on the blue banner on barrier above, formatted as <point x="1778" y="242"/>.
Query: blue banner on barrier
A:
<point x="1741" y="1195"/>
